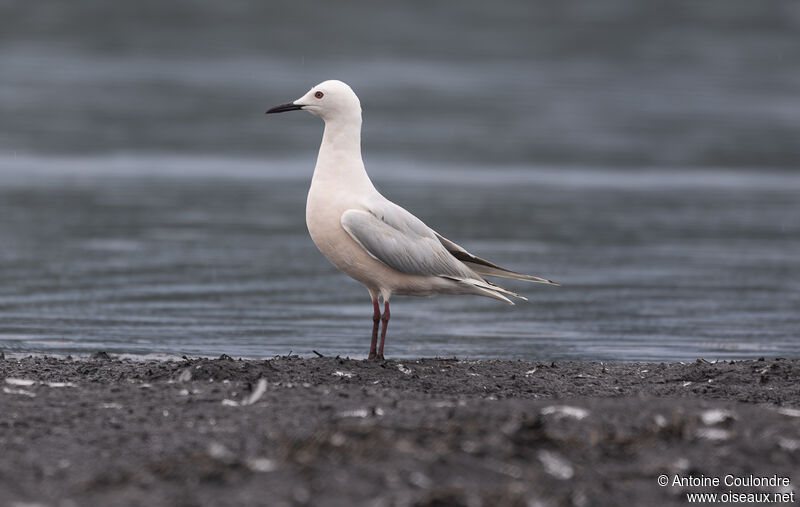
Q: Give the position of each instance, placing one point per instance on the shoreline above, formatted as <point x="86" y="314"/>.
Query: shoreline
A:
<point x="101" y="430"/>
<point x="167" y="357"/>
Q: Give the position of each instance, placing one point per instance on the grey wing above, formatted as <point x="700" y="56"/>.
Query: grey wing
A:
<point x="400" y="240"/>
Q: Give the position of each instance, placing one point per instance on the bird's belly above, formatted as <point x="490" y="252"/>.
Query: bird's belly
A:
<point x="325" y="228"/>
<point x="336" y="245"/>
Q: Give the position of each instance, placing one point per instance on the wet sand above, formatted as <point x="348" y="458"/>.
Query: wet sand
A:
<point x="333" y="431"/>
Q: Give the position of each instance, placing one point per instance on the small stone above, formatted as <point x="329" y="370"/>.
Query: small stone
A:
<point x="556" y="465"/>
<point x="717" y="416"/>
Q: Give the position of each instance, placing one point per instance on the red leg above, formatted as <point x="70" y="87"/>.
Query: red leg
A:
<point x="385" y="319"/>
<point x="376" y="318"/>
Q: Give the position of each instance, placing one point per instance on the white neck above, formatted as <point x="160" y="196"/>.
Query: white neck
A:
<point x="339" y="161"/>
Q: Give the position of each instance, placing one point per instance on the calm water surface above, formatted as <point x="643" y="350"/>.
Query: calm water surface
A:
<point x="653" y="266"/>
<point x="643" y="154"/>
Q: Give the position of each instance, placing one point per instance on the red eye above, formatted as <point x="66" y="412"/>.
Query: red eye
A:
<point x="319" y="95"/>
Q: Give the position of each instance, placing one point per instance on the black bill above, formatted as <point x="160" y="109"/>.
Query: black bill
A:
<point x="284" y="107"/>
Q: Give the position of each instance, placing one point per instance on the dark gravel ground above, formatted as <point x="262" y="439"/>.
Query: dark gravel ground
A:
<point x="432" y="432"/>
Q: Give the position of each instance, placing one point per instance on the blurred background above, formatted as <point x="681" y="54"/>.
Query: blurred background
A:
<point x="644" y="154"/>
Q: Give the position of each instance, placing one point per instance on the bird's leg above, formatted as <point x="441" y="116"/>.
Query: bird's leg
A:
<point x="385" y="319"/>
<point x="376" y="318"/>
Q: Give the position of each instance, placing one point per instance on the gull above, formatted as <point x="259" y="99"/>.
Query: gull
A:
<point x="370" y="238"/>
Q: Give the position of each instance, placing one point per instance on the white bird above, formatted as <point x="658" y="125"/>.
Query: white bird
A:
<point x="370" y="238"/>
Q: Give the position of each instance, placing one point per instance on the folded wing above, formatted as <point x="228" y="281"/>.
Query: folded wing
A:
<point x="395" y="237"/>
<point x="402" y="244"/>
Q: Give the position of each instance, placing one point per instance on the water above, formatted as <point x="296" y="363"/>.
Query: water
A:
<point x="653" y="267"/>
<point x="643" y="155"/>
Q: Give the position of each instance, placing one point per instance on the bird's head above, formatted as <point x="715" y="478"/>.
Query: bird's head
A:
<point x="330" y="100"/>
